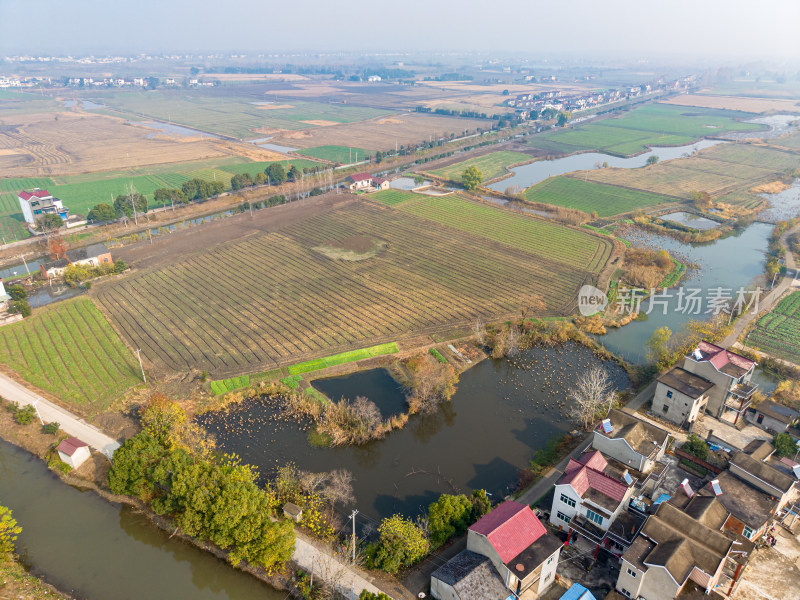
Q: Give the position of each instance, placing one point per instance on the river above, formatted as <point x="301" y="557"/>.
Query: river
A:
<point x="92" y="548"/>
<point x="502" y="412"/>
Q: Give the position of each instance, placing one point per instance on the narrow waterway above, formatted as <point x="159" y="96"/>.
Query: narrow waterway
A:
<point x="502" y="412"/>
<point x="94" y="549"/>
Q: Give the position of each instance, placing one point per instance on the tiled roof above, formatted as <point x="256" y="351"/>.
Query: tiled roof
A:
<point x="685" y="382"/>
<point x="70" y="445"/>
<point x="510" y="529"/>
<point x="360" y="177"/>
<point x="722" y="358"/>
<point x="36" y="193"/>
<point x="587" y="474"/>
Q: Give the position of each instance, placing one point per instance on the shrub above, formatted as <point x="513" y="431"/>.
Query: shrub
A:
<point x="51" y="428"/>
<point x="696" y="447"/>
<point x="25" y="415"/>
<point x="17" y="292"/>
<point x="784" y="445"/>
<point x="401" y="543"/>
<point x="20" y="307"/>
<point x="437" y="355"/>
<point x="9" y="530"/>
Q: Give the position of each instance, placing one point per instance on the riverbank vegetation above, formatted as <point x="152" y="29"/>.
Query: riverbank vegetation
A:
<point x="666" y="348"/>
<point x="170" y="468"/>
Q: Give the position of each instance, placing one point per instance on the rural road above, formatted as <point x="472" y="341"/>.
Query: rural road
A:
<point x="766" y="302"/>
<point x="73" y="425"/>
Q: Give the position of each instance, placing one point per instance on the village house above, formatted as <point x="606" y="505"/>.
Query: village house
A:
<point x="40" y="202"/>
<point x="4" y="297"/>
<point x="712" y="380"/>
<point x="366" y="182"/>
<point x="631" y="441"/>
<point x="93" y="256"/>
<point x="675" y="552"/>
<point x="73" y="451"/>
<point x="756" y="471"/>
<point x="773" y="417"/>
<point x="517" y="545"/>
<point x="589" y="498"/>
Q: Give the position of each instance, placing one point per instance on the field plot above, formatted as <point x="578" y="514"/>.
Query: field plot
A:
<point x="651" y="125"/>
<point x="69" y="350"/>
<point x="384" y="133"/>
<point x="12" y="225"/>
<point x="753" y="105"/>
<point x="392" y="197"/>
<point x="569" y="247"/>
<point x="491" y="166"/>
<point x="720" y="170"/>
<point x="605" y="200"/>
<point x="283" y="299"/>
<point x="778" y="333"/>
<point x="338" y="154"/>
<point x="232" y="116"/>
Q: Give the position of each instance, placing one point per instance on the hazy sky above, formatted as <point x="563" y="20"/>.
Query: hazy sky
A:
<point x="719" y="29"/>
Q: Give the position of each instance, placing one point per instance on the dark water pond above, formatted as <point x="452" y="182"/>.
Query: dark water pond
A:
<point x="375" y="384"/>
<point x="92" y="548"/>
<point x="527" y="175"/>
<point x="690" y="220"/>
<point x="502" y="412"/>
<point x="49" y="294"/>
<point x="172" y="129"/>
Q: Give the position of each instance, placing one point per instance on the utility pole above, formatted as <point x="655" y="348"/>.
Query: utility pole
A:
<point x="139" y="356"/>
<point x="353" y="516"/>
<point x="38" y="414"/>
<point x="25" y="262"/>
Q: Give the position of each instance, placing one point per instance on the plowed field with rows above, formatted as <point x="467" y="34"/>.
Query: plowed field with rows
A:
<point x="303" y="291"/>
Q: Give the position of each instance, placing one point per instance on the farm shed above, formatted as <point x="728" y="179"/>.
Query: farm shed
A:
<point x="772" y="416"/>
<point x="93" y="255"/>
<point x="55" y="268"/>
<point x="73" y="451"/>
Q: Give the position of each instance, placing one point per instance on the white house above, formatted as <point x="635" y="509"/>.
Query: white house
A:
<point x="587" y="500"/>
<point x="73" y="451"/>
<point x="40" y="202"/>
<point x="631" y="441"/>
<point x="681" y="396"/>
<point x="524" y="555"/>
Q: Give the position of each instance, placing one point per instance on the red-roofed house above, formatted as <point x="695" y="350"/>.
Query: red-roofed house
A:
<point x="730" y="395"/>
<point x="73" y="451"/>
<point x="588" y="498"/>
<point x="365" y="181"/>
<point x="40" y="202"/>
<point x="518" y="545"/>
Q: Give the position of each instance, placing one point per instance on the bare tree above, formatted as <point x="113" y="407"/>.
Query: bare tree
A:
<point x="339" y="489"/>
<point x="479" y="330"/>
<point x="512" y="340"/>
<point x="591" y="394"/>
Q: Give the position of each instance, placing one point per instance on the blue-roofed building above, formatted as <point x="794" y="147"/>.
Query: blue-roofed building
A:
<point x="578" y="592"/>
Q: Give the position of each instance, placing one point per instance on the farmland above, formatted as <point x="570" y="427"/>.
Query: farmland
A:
<point x="778" y="333"/>
<point x="753" y="105"/>
<point x="491" y="166"/>
<point x="338" y="154"/>
<point x="572" y="248"/>
<point x="391" y="197"/>
<point x="69" y="350"/>
<point x="299" y="303"/>
<point x="233" y="116"/>
<point x="605" y="200"/>
<point x="636" y="130"/>
<point x="719" y="170"/>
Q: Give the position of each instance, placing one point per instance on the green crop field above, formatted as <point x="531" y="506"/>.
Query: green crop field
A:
<point x="719" y="170"/>
<point x="343" y="358"/>
<point x="12" y="224"/>
<point x="636" y="130"/>
<point x="69" y="350"/>
<point x="778" y="332"/>
<point x="391" y="197"/>
<point x="491" y="166"/>
<point x="605" y="200"/>
<point x="232" y="116"/>
<point x="338" y="154"/>
<point x="570" y="247"/>
<point x="299" y="303"/>
<point x="253" y="168"/>
<point x="81" y="197"/>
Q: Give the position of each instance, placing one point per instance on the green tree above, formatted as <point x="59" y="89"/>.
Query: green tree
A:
<point x="696" y="447"/>
<point x="102" y="213"/>
<point x="129" y="473"/>
<point x="20" y="307"/>
<point x="784" y="445"/>
<point x="367" y="595"/>
<point x="172" y="195"/>
<point x="379" y="156"/>
<point x="276" y="173"/>
<point x="419" y="179"/>
<point x="401" y="543"/>
<point x="9" y="530"/>
<point x="480" y="504"/>
<point x="294" y="174"/>
<point x="471" y="178"/>
<point x="563" y="117"/>
<point x="448" y="516"/>
<point x="658" y="348"/>
<point x="652" y="159"/>
<point x="17" y="292"/>
<point x="240" y="181"/>
<point x="49" y="222"/>
<point x="125" y="203"/>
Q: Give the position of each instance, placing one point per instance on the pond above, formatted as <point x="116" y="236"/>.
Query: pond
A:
<point x="92" y="548"/>
<point x="20" y="270"/>
<point x="502" y="412"/>
<point x="731" y="263"/>
<point x="89" y="105"/>
<point x="375" y="384"/>
<point x="783" y="205"/>
<point x="406" y="183"/>
<point x="172" y="129"/>
<point x="525" y="176"/>
<point x="47" y="295"/>
<point x="778" y="125"/>
<point x="690" y="220"/>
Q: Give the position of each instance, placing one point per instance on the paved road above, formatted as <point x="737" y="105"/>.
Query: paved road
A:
<point x="766" y="301"/>
<point x="73" y="425"/>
